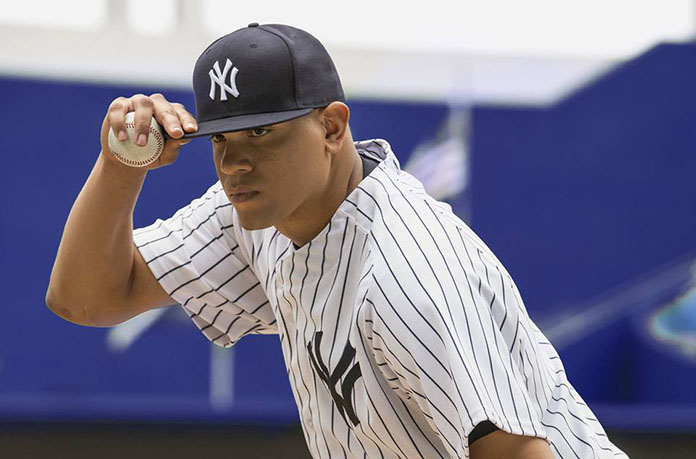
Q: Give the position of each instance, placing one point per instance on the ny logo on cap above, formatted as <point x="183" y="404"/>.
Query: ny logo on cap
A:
<point x="218" y="78"/>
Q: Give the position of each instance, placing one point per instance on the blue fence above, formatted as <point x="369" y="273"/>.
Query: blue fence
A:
<point x="590" y="194"/>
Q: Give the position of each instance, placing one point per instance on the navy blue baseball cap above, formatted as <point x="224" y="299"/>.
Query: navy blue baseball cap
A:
<point x="261" y="75"/>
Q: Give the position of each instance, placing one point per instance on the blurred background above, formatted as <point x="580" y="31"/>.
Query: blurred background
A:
<point x="562" y="132"/>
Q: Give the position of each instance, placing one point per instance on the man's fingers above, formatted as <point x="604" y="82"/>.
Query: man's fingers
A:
<point x="116" y="116"/>
<point x="169" y="120"/>
<point x="188" y="121"/>
<point x="167" y="116"/>
<point x="144" y="109"/>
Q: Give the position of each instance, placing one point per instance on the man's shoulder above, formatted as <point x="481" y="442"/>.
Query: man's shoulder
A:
<point x="408" y="221"/>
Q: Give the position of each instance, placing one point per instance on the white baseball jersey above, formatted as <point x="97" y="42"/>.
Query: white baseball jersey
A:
<point x="400" y="330"/>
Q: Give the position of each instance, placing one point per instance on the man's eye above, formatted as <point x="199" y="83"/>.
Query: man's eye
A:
<point x="217" y="138"/>
<point x="258" y="132"/>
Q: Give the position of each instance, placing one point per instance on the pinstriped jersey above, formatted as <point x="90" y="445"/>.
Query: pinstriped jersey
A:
<point x="400" y="329"/>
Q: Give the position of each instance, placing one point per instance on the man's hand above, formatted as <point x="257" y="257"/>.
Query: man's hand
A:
<point x="173" y="117"/>
<point x="503" y="445"/>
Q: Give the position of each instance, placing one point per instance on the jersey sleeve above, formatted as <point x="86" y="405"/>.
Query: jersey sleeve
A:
<point x="444" y="354"/>
<point x="197" y="259"/>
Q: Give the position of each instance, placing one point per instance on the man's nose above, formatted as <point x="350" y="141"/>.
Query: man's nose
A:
<point x="234" y="162"/>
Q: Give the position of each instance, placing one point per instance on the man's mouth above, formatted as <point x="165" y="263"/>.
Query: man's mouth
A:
<point x="242" y="197"/>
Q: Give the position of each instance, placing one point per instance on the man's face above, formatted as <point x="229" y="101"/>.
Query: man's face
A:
<point x="278" y="169"/>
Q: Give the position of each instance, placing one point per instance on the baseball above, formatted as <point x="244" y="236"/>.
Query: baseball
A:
<point x="132" y="154"/>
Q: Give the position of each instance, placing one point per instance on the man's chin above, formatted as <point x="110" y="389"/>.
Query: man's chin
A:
<point x="253" y="225"/>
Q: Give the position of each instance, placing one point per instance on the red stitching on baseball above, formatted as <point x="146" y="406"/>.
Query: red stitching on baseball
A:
<point x="158" y="138"/>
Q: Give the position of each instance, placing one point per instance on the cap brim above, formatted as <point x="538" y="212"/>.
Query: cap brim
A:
<point x="240" y="123"/>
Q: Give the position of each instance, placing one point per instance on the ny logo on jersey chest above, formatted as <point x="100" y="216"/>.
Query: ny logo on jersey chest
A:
<point x="331" y="379"/>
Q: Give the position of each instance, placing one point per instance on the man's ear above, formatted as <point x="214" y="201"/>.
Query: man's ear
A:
<point x="335" y="118"/>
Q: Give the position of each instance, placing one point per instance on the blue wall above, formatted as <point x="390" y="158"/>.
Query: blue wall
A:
<point x="583" y="195"/>
<point x="589" y="194"/>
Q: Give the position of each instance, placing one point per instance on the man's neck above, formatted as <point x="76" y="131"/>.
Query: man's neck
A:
<point x="307" y="222"/>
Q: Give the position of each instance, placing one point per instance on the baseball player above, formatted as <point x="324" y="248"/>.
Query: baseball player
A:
<point x="403" y="335"/>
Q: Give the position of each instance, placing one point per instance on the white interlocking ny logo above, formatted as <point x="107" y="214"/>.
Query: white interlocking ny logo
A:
<point x="218" y="78"/>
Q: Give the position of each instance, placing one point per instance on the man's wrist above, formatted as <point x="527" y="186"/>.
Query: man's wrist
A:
<point x="124" y="172"/>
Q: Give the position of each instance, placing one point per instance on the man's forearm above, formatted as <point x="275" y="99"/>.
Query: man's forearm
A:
<point x="501" y="444"/>
<point x="95" y="256"/>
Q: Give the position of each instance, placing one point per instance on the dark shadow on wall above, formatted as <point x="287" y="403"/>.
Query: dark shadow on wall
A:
<point x="187" y="441"/>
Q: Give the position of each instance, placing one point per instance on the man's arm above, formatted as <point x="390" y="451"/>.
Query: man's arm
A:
<point x="503" y="445"/>
<point x="99" y="278"/>
<point x="428" y="358"/>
